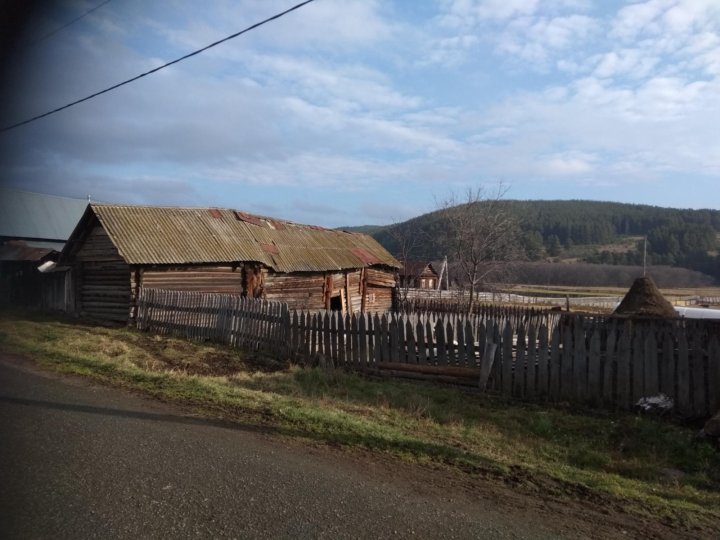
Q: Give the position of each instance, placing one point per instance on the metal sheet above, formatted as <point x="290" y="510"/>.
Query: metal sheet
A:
<point x="164" y="235"/>
<point x="39" y="216"/>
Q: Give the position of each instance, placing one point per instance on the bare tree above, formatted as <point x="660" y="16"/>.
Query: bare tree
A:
<point x="406" y="238"/>
<point x="481" y="236"/>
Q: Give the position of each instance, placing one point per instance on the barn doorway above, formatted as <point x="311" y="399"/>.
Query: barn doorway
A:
<point x="336" y="303"/>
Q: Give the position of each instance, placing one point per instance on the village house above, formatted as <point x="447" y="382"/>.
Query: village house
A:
<point x="116" y="249"/>
<point x="33" y="231"/>
<point x="418" y="275"/>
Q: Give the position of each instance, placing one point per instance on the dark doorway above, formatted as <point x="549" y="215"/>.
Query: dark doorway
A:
<point x="336" y="303"/>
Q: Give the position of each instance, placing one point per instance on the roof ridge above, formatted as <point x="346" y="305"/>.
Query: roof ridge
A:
<point x="224" y="208"/>
<point x="16" y="190"/>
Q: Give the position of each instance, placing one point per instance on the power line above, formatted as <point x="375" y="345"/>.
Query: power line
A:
<point x="64" y="26"/>
<point x="145" y="74"/>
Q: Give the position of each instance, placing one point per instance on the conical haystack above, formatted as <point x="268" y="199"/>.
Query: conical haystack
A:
<point x="644" y="300"/>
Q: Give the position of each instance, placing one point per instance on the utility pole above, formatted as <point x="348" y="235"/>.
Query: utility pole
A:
<point x="443" y="270"/>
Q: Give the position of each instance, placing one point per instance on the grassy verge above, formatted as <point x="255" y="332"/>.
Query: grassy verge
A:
<point x="646" y="466"/>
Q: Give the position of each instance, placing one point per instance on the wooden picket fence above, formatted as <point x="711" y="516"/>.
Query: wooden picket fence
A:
<point x="594" y="361"/>
<point x="225" y="318"/>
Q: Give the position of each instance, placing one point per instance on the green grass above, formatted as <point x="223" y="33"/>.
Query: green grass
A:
<point x="645" y="465"/>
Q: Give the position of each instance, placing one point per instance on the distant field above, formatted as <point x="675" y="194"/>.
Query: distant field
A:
<point x="575" y="291"/>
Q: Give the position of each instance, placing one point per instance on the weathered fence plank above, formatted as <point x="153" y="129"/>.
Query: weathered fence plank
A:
<point x="585" y="360"/>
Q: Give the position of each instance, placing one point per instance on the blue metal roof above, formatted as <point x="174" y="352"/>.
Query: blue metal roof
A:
<point x="35" y="215"/>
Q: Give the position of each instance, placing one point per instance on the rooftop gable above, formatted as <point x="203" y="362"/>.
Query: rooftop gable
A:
<point x="172" y="235"/>
<point x="38" y="216"/>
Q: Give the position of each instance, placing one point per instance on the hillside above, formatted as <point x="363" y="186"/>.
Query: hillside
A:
<point x="587" y="231"/>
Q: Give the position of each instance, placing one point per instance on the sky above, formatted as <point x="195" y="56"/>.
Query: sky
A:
<point x="350" y="112"/>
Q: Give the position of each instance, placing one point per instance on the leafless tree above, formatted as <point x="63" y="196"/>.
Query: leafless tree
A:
<point x="406" y="238"/>
<point x="481" y="236"/>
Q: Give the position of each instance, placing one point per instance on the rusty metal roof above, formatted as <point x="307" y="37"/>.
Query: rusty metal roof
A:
<point x="166" y="235"/>
<point x="19" y="250"/>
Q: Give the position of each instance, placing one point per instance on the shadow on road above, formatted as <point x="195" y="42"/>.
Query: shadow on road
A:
<point x="138" y="415"/>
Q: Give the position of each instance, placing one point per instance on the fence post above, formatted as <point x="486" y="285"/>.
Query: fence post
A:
<point x="714" y="374"/>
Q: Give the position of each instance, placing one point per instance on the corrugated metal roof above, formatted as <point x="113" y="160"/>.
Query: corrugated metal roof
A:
<point x="19" y="250"/>
<point x="165" y="235"/>
<point x="36" y="215"/>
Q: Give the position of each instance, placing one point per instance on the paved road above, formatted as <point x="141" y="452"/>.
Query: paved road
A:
<point x="83" y="461"/>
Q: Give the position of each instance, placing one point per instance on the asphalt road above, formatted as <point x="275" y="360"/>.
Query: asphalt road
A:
<point x="84" y="461"/>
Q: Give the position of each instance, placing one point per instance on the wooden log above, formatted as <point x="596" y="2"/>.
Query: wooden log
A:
<point x="452" y="371"/>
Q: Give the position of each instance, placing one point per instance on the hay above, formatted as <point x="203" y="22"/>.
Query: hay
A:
<point x="644" y="300"/>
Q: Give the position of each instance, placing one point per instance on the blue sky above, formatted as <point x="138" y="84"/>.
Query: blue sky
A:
<point x="350" y="112"/>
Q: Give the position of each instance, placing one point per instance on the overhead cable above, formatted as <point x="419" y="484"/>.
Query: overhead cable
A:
<point x="155" y="70"/>
<point x="64" y="26"/>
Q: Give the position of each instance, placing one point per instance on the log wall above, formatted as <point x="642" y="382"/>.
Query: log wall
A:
<point x="102" y="279"/>
<point x="216" y="279"/>
<point x="299" y="291"/>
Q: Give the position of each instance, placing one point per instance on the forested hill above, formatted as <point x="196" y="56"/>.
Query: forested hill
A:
<point x="677" y="237"/>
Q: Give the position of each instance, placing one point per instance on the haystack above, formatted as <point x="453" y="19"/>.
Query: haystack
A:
<point x="644" y="300"/>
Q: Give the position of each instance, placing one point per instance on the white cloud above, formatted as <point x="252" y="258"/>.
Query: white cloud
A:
<point x="567" y="164"/>
<point x="536" y="39"/>
<point x="632" y="63"/>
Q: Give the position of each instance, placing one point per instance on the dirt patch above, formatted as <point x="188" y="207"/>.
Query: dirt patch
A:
<point x="170" y="354"/>
<point x="644" y="300"/>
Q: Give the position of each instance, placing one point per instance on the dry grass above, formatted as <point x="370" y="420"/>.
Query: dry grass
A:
<point x="647" y="466"/>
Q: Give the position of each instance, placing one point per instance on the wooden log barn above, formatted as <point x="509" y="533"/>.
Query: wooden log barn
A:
<point x="418" y="275"/>
<point x="116" y="249"/>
